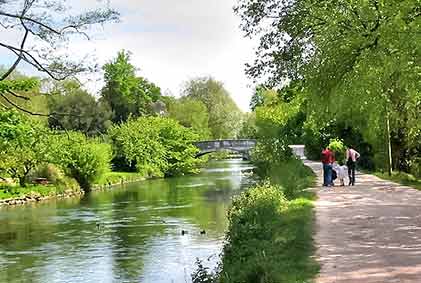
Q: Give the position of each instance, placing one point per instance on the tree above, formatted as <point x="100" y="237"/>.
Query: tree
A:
<point x="248" y="128"/>
<point x="23" y="146"/>
<point x="83" y="112"/>
<point x="45" y="29"/>
<point x="82" y="158"/>
<point x="127" y="94"/>
<point x="224" y="114"/>
<point x="192" y="114"/>
<point x="154" y="146"/>
<point x="257" y="99"/>
<point x="357" y="60"/>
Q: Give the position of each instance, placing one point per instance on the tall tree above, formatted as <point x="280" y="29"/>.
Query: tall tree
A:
<point x="127" y="94"/>
<point x="360" y="61"/>
<point x="22" y="145"/>
<point x="45" y="29"/>
<point x="192" y="114"/>
<point x="224" y="114"/>
<point x="80" y="111"/>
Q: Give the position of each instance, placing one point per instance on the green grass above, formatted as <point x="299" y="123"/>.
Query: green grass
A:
<point x="401" y="178"/>
<point x="293" y="177"/>
<point x="270" y="233"/>
<point x="269" y="239"/>
<point x="8" y="192"/>
<point x="118" y="177"/>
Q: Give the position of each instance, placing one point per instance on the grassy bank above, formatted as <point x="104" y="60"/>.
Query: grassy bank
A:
<point x="114" y="178"/>
<point x="269" y="237"/>
<point x="14" y="191"/>
<point x="401" y="178"/>
<point x="67" y="186"/>
<point x="10" y="192"/>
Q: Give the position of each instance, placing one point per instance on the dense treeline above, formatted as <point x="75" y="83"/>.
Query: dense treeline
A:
<point x="342" y="72"/>
<point x="130" y="127"/>
<point x="347" y="70"/>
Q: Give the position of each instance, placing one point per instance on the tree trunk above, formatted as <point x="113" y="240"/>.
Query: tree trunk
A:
<point x="22" y="182"/>
<point x="389" y="145"/>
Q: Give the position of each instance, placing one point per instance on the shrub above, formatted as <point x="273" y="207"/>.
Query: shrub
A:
<point x="268" y="239"/>
<point x="154" y="146"/>
<point x="337" y="146"/>
<point x="48" y="171"/>
<point x="202" y="274"/>
<point x="83" y="159"/>
<point x="23" y="145"/>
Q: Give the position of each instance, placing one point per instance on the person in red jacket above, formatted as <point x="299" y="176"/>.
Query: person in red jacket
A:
<point x="327" y="161"/>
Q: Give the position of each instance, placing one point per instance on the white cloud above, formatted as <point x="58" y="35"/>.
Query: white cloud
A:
<point x="175" y="40"/>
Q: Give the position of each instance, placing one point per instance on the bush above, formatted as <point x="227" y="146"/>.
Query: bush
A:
<point x="48" y="171"/>
<point x="202" y="274"/>
<point x="23" y="145"/>
<point x="154" y="146"/>
<point x="83" y="159"/>
<point x="269" y="238"/>
<point x="338" y="147"/>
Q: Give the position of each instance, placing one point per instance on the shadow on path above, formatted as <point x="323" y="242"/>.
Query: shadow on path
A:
<point x="367" y="233"/>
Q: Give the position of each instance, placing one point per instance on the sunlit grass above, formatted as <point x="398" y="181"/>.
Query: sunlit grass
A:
<point x="8" y="192"/>
<point x="270" y="236"/>
<point x="401" y="178"/>
<point x="112" y="178"/>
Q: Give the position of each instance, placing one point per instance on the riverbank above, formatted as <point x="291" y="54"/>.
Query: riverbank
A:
<point x="270" y="232"/>
<point x="139" y="226"/>
<point x="34" y="193"/>
<point x="15" y="195"/>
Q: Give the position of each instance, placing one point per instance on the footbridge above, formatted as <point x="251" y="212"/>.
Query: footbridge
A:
<point x="242" y="146"/>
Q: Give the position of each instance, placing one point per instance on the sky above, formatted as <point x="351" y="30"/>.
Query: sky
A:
<point x="172" y="41"/>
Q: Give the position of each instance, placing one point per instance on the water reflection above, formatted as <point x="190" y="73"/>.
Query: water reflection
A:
<point x="130" y="234"/>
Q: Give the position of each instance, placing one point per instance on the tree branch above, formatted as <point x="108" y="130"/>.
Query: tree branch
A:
<point x="18" y="96"/>
<point x="30" y="20"/>
<point x="22" y="45"/>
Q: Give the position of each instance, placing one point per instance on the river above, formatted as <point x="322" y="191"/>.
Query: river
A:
<point x="127" y="234"/>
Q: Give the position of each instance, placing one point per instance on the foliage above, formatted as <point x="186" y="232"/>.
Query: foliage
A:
<point x="51" y="172"/>
<point x="258" y="98"/>
<point x="51" y="25"/>
<point x="291" y="175"/>
<point x="373" y="77"/>
<point x="315" y="139"/>
<point x="154" y="146"/>
<point x="224" y="114"/>
<point x="402" y="178"/>
<point x="83" y="159"/>
<point x="190" y="113"/>
<point x="77" y="110"/>
<point x="45" y="28"/>
<point x="127" y="94"/>
<point x="248" y="128"/>
<point x="28" y="98"/>
<point x="202" y="274"/>
<point x="19" y="85"/>
<point x="338" y="147"/>
<point x="279" y="124"/>
<point x="113" y="178"/>
<point x="269" y="238"/>
<point x="23" y="146"/>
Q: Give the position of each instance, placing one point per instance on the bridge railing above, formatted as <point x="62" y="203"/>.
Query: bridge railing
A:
<point x="221" y="144"/>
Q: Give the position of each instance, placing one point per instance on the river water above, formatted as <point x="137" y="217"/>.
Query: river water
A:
<point x="127" y="234"/>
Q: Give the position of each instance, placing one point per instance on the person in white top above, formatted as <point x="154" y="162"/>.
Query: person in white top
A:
<point x="351" y="159"/>
<point x="340" y="172"/>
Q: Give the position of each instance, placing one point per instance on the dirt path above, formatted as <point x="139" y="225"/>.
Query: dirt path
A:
<point x="368" y="233"/>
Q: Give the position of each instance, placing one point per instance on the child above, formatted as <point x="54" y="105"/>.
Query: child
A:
<point x="340" y="172"/>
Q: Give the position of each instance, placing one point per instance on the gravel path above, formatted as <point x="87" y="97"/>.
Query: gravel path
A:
<point x="368" y="233"/>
